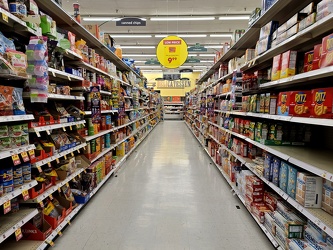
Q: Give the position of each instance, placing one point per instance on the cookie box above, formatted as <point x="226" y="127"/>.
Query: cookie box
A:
<point x="271" y="200"/>
<point x="294" y="229"/>
<point x="309" y="190"/>
<point x="321" y="105"/>
<point x="292" y="181"/>
<point x="276" y="171"/>
<point x="283" y="176"/>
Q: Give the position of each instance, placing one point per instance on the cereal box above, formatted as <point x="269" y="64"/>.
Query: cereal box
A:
<point x="276" y="68"/>
<point x="321" y="105"/>
<point x="292" y="180"/>
<point x="316" y="56"/>
<point x="309" y="190"/>
<point x="308" y="60"/>
<point x="327" y="51"/>
<point x="283" y="176"/>
<point x="327" y="200"/>
<point x="288" y="65"/>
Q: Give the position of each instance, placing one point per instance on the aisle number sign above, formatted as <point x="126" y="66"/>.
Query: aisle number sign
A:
<point x="172" y="52"/>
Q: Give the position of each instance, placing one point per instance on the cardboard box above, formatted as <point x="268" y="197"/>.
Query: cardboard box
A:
<point x="30" y="232"/>
<point x="294" y="103"/>
<point x="292" y="31"/>
<point x="267" y="166"/>
<point x="281" y="236"/>
<point x="309" y="190"/>
<point x="271" y="200"/>
<point x="288" y="64"/>
<point x="321" y="105"/>
<point x="276" y="171"/>
<point x="276" y="68"/>
<point x="314" y="234"/>
<point x="326" y="55"/>
<point x="292" y="181"/>
<point x="268" y="29"/>
<point x="283" y="176"/>
<point x="306" y="22"/>
<point x="298" y="244"/>
<point x="269" y="223"/>
<point x="93" y="29"/>
<point x="270" y="103"/>
<point x="327" y="198"/>
<point x="293" y="229"/>
<point x="316" y="56"/>
<point x="308" y="60"/>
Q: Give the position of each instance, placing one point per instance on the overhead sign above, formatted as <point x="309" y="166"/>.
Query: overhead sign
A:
<point x="152" y="61"/>
<point x="131" y="21"/>
<point x="186" y="71"/>
<point x="177" y="84"/>
<point x="192" y="60"/>
<point x="171" y="77"/>
<point x="197" y="48"/>
<point x="172" y="52"/>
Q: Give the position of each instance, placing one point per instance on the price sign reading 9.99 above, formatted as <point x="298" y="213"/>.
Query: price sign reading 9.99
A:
<point x="172" y="52"/>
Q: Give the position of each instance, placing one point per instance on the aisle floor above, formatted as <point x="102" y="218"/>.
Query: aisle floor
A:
<point x="167" y="195"/>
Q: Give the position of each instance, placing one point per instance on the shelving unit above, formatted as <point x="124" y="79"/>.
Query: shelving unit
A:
<point x="173" y="110"/>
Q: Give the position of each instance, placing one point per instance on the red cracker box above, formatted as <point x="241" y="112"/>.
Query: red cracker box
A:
<point x="276" y="68"/>
<point x="327" y="51"/>
<point x="288" y="64"/>
<point x="321" y="106"/>
<point x="294" y="103"/>
<point x="271" y="200"/>
<point x="316" y="56"/>
<point x="308" y="61"/>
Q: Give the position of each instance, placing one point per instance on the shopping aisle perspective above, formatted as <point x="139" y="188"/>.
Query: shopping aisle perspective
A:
<point x="167" y="195"/>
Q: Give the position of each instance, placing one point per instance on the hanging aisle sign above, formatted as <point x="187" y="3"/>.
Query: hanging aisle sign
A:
<point x="197" y="48"/>
<point x="131" y="21"/>
<point x="172" y="52"/>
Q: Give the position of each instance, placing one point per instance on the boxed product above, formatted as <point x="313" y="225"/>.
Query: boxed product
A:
<point x="306" y="22"/>
<point x="314" y="234"/>
<point x="316" y="56"/>
<point x="276" y="68"/>
<point x="292" y="31"/>
<point x="275" y="168"/>
<point x="326" y="54"/>
<point x="298" y="244"/>
<point x="281" y="236"/>
<point x="288" y="64"/>
<point x="271" y="200"/>
<point x="292" y="180"/>
<point x="294" y="103"/>
<point x="309" y="190"/>
<point x="263" y="45"/>
<point x="281" y="37"/>
<point x="270" y="103"/>
<point x="282" y="28"/>
<point x="321" y="105"/>
<point x="267" y="166"/>
<point x="269" y="223"/>
<point x="266" y="4"/>
<point x="327" y="198"/>
<point x="93" y="29"/>
<point x="308" y="9"/>
<point x="308" y="60"/>
<point x="283" y="176"/>
<point x="268" y="29"/>
<point x="294" y="229"/>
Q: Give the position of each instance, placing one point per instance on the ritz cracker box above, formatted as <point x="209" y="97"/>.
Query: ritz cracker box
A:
<point x="327" y="51"/>
<point x="294" y="103"/>
<point x="321" y="105"/>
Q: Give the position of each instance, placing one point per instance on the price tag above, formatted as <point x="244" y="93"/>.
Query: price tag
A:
<point x="39" y="169"/>
<point x="37" y="133"/>
<point x="60" y="233"/>
<point x="57" y="160"/>
<point x="49" y="164"/>
<point x="78" y="150"/>
<point x="48" y="132"/>
<point x="85" y="171"/>
<point x="70" y="127"/>
<point x="51" y="243"/>
<point x="67" y="185"/>
<point x="65" y="156"/>
<point x="25" y="156"/>
<point x="5" y="17"/>
<point x="79" y="175"/>
<point x="31" y="154"/>
<point x="72" y="154"/>
<point x="69" y="78"/>
<point x="64" y="129"/>
<point x="69" y="222"/>
<point x="59" y="190"/>
<point x="51" y="197"/>
<point x="18" y="234"/>
<point x="25" y="195"/>
<point x="7" y="207"/>
<point x="41" y="204"/>
<point x="16" y="160"/>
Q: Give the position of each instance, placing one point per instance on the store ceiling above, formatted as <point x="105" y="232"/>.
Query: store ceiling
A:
<point x="168" y="8"/>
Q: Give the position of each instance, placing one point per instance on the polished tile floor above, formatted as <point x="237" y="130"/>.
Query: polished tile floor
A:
<point x="169" y="196"/>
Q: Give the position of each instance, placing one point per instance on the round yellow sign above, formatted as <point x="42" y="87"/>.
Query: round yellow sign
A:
<point x="172" y="52"/>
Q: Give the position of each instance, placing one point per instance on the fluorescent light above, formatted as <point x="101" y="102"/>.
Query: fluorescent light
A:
<point x="197" y="70"/>
<point x="199" y="66"/>
<point x="139" y="61"/>
<point x="207" y="55"/>
<point x="206" y="61"/>
<point x="139" y="55"/>
<point x="99" y="19"/>
<point x="150" y="66"/>
<point x="184" y="35"/>
<point x="151" y="70"/>
<point x="130" y="36"/>
<point x="137" y="47"/>
<point x="190" y="18"/>
<point x="220" y="35"/>
<point x="229" y="18"/>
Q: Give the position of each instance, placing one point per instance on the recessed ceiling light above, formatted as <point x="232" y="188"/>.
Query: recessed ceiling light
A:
<point x="203" y="18"/>
<point x="130" y="36"/>
<point x="230" y="18"/>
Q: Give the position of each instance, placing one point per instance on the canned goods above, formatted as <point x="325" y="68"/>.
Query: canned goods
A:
<point x="107" y="141"/>
<point x="18" y="182"/>
<point x="18" y="171"/>
<point x="1" y="189"/>
<point x="6" y="174"/>
<point x="26" y="169"/>
<point x="26" y="178"/>
<point x="15" y="205"/>
<point x="8" y="187"/>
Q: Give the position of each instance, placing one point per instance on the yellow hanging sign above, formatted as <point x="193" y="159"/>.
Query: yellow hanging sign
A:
<point x="172" y="52"/>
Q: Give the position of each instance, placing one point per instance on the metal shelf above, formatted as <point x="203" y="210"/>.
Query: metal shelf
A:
<point x="17" y="192"/>
<point x="104" y="92"/>
<point x="14" y="118"/>
<point x="63" y="75"/>
<point x="12" y="221"/>
<point x="55" y="126"/>
<point x="63" y="19"/>
<point x="15" y="151"/>
<point x="72" y="55"/>
<point x="57" y="156"/>
<point x="312" y="32"/>
<point x="58" y="97"/>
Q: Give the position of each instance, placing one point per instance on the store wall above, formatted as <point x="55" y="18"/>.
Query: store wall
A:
<point x="174" y="92"/>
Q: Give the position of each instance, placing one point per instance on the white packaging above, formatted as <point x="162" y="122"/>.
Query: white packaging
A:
<point x="309" y="190"/>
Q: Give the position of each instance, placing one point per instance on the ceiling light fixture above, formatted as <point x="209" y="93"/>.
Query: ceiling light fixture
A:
<point x="220" y="35"/>
<point x="207" y="55"/>
<point x="150" y="66"/>
<point x="197" y="70"/>
<point x="139" y="55"/>
<point x="190" y="18"/>
<point x="183" y="35"/>
<point x="130" y="36"/>
<point x="137" y="47"/>
<point x="231" y="18"/>
<point x="99" y="19"/>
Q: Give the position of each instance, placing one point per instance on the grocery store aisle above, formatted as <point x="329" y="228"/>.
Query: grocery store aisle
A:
<point x="166" y="196"/>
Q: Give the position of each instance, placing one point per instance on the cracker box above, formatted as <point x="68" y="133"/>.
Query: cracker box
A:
<point x="271" y="103"/>
<point x="276" y="171"/>
<point x="283" y="176"/>
<point x="306" y="22"/>
<point x="267" y="166"/>
<point x="292" y="31"/>
<point x="327" y="51"/>
<point x="288" y="65"/>
<point x="309" y="190"/>
<point x="316" y="56"/>
<point x="292" y="181"/>
<point x="269" y="223"/>
<point x="276" y="68"/>
<point x="308" y="60"/>
<point x="298" y="244"/>
<point x="281" y="236"/>
<point x="327" y="199"/>
<point x="294" y="229"/>
<point x="271" y="200"/>
<point x="321" y="105"/>
<point x="268" y="29"/>
<point x="294" y="103"/>
<point x="314" y="234"/>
